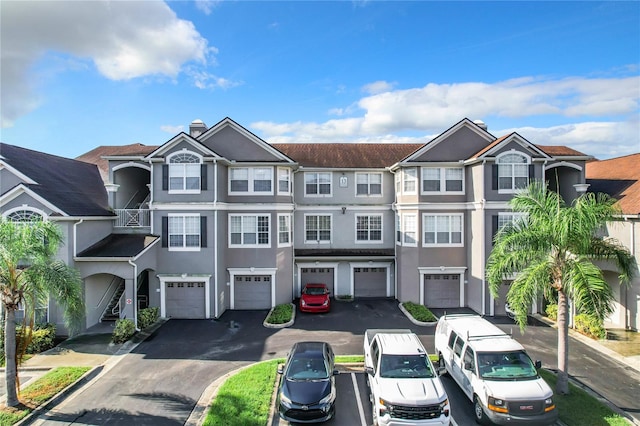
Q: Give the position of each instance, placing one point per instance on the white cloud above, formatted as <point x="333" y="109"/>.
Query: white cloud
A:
<point x="171" y="129"/>
<point x="378" y="87"/>
<point x="124" y="39"/>
<point x="206" y="6"/>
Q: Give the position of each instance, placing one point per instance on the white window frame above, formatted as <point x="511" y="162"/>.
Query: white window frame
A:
<point x="410" y="176"/>
<point x="318" y="241"/>
<point x="369" y="230"/>
<point x="318" y="183"/>
<point x="284" y="230"/>
<point x="507" y="218"/>
<point x="509" y="170"/>
<point x="368" y="176"/>
<point x="251" y="178"/>
<point x="185" y="172"/>
<point x="284" y="174"/>
<point x="256" y="232"/>
<point x="450" y="230"/>
<point x="32" y="213"/>
<point x="398" y="230"/>
<point x="410" y="227"/>
<point x="184" y="233"/>
<point x="442" y="178"/>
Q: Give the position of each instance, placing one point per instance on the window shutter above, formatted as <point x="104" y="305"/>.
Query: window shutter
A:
<point x="165" y="177"/>
<point x="203" y="177"/>
<point x="532" y="172"/>
<point x="494" y="177"/>
<point x="203" y="231"/>
<point x="494" y="227"/>
<point x="165" y="231"/>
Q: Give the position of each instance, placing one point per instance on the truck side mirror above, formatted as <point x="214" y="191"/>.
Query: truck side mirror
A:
<point x="280" y="370"/>
<point x="336" y="372"/>
<point x="368" y="370"/>
<point x="538" y="364"/>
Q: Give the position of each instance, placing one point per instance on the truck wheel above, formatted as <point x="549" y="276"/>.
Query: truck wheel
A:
<point x="478" y="411"/>
<point x="373" y="415"/>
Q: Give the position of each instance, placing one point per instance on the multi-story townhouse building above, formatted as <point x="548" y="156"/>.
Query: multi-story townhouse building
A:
<point x="219" y="219"/>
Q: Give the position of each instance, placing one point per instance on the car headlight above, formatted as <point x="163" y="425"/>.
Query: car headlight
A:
<point x="498" y="405"/>
<point x="326" y="302"/>
<point x="302" y="302"/>
<point x="284" y="400"/>
<point x="329" y="398"/>
<point x="444" y="407"/>
<point x="549" y="405"/>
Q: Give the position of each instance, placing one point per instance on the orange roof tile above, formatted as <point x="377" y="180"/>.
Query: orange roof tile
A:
<point x="95" y="155"/>
<point x="620" y="178"/>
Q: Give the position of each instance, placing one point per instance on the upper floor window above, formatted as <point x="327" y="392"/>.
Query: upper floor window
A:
<point x="317" y="184"/>
<point x="251" y="180"/>
<point x="409" y="180"/>
<point x="504" y="219"/>
<point x="250" y="230"/>
<point x="284" y="230"/>
<point x="368" y="184"/>
<point x="398" y="230"/>
<point x="368" y="228"/>
<point x="409" y="229"/>
<point x="183" y="232"/>
<point x="514" y="170"/>
<point x="442" y="229"/>
<point x="25" y="216"/>
<point x="185" y="172"/>
<point x="317" y="228"/>
<point x="284" y="181"/>
<point x="436" y="179"/>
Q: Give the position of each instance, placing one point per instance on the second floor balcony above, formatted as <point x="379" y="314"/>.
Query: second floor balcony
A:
<point x="133" y="218"/>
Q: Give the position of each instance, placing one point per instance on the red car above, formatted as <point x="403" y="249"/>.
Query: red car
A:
<point x="315" y="298"/>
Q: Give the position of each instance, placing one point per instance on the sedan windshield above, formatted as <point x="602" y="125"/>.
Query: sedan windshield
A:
<point x="314" y="290"/>
<point x="506" y="366"/>
<point x="400" y="366"/>
<point x="307" y="369"/>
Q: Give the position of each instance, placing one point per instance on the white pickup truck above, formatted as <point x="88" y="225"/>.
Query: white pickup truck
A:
<point x="405" y="387"/>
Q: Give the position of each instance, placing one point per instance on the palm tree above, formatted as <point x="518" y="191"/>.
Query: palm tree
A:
<point x="29" y="273"/>
<point x="550" y="251"/>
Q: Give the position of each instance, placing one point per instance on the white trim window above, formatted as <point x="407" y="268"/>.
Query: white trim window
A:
<point x="184" y="232"/>
<point x="398" y="230"/>
<point x="513" y="171"/>
<point x="284" y="230"/>
<point x="317" y="184"/>
<point x="442" y="230"/>
<point x="369" y="228"/>
<point x="184" y="172"/>
<point x="509" y="218"/>
<point x="284" y="181"/>
<point x="317" y="228"/>
<point x="410" y="229"/>
<point x="249" y="230"/>
<point x="398" y="181"/>
<point x="410" y="180"/>
<point x="25" y="215"/>
<point x="368" y="184"/>
<point x="442" y="179"/>
<point x="251" y="180"/>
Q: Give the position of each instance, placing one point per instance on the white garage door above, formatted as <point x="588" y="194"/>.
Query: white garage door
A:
<point x="185" y="300"/>
<point x="252" y="292"/>
<point x="317" y="275"/>
<point x="442" y="291"/>
<point x="370" y="282"/>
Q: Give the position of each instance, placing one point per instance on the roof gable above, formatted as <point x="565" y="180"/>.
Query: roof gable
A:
<point x="618" y="177"/>
<point x="505" y="142"/>
<point x="181" y="138"/>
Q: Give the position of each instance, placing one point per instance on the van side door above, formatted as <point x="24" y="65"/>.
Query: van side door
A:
<point x="456" y="362"/>
<point x="448" y="352"/>
<point x="468" y="371"/>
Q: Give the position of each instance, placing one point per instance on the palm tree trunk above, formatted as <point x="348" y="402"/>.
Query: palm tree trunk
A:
<point x="562" y="385"/>
<point x="10" y="357"/>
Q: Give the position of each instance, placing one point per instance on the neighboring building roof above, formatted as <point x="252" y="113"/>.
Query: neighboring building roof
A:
<point x="618" y="177"/>
<point x="561" y="151"/>
<point x="95" y="155"/>
<point x="119" y="245"/>
<point x="347" y="155"/>
<point x="72" y="186"/>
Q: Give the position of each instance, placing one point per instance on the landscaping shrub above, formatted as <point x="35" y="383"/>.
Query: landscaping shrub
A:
<point x="281" y="314"/>
<point x="42" y="339"/>
<point x="147" y="317"/>
<point x="552" y="311"/>
<point x="419" y="312"/>
<point x="123" y="331"/>
<point x="589" y="326"/>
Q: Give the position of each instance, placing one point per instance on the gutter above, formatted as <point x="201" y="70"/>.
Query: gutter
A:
<point x="135" y="293"/>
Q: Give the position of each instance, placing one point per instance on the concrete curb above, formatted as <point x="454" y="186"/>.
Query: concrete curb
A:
<point x="415" y="321"/>
<point x="286" y="324"/>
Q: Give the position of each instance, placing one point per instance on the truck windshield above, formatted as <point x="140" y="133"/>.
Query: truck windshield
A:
<point x="405" y="366"/>
<point x="506" y="366"/>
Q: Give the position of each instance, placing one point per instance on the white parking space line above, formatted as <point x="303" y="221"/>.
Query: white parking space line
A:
<point x="358" y="400"/>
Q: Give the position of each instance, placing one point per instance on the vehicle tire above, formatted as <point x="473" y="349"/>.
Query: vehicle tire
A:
<point x="478" y="411"/>
<point x="374" y="417"/>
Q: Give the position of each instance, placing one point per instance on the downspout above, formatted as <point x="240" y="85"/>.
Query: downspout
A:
<point x="135" y="293"/>
<point x="483" y="250"/>
<point x="293" y="250"/>
<point x="215" y="239"/>
<point x="75" y="238"/>
<point x="394" y="208"/>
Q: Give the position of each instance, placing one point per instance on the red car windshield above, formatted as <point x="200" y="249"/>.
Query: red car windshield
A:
<point x="314" y="290"/>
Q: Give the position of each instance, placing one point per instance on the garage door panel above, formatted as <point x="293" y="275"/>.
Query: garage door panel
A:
<point x="185" y="300"/>
<point x="370" y="282"/>
<point x="442" y="291"/>
<point x="252" y="292"/>
<point x="317" y="275"/>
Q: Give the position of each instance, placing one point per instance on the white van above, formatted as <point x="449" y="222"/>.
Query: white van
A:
<point x="494" y="371"/>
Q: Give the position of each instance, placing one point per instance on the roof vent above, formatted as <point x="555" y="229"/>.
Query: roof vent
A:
<point x="197" y="127"/>
<point x="480" y="124"/>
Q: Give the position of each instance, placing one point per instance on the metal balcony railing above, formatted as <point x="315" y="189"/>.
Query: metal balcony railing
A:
<point x="133" y="218"/>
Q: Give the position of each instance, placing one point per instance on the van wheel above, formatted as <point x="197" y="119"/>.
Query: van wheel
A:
<point x="373" y="415"/>
<point x="478" y="411"/>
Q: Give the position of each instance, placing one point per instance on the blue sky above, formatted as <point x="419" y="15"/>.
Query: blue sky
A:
<point x="79" y="74"/>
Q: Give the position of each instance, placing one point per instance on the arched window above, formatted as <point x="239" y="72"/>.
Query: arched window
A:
<point x="185" y="172"/>
<point x="25" y="215"/>
<point x="513" y="171"/>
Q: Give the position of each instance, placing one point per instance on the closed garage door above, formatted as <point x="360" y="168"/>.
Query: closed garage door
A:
<point x="185" y="300"/>
<point x="370" y="282"/>
<point x="317" y="275"/>
<point x="252" y="292"/>
<point x="442" y="291"/>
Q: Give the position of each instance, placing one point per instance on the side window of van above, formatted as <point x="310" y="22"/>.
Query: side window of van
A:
<point x="457" y="347"/>
<point x="452" y="338"/>
<point x="469" y="358"/>
<point x="375" y="354"/>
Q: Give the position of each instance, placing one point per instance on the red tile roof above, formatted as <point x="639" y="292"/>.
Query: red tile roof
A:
<point x="347" y="155"/>
<point x="618" y="177"/>
<point x="560" y="151"/>
<point x="95" y="155"/>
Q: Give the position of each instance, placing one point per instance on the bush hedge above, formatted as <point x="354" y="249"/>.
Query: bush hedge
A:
<point x="552" y="311"/>
<point x="123" y="331"/>
<point x="147" y="317"/>
<point x="281" y="314"/>
<point x="589" y="326"/>
<point x="42" y="339"/>
<point x="419" y="312"/>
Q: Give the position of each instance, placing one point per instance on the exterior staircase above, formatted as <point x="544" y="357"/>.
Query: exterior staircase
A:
<point x="112" y="311"/>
